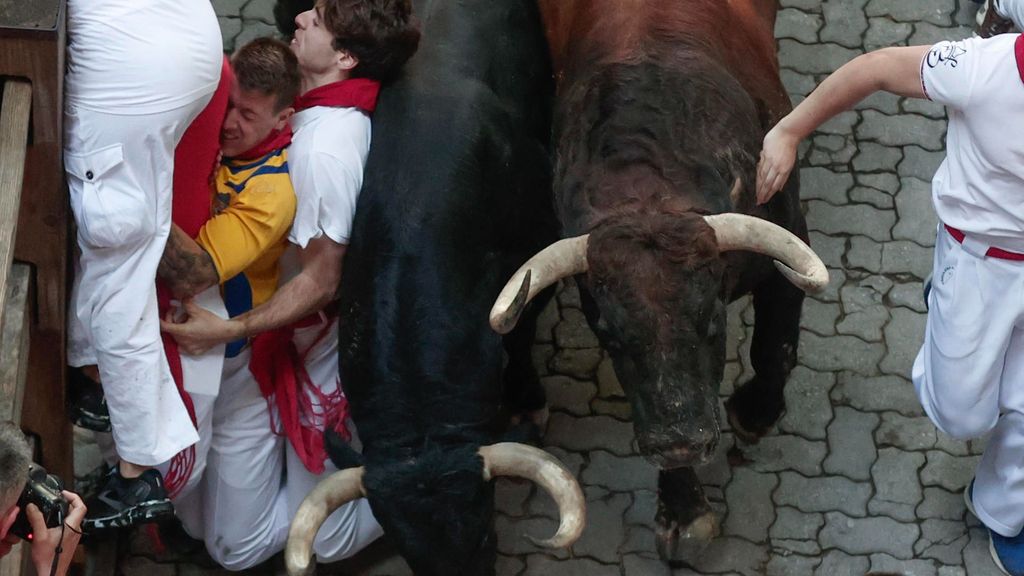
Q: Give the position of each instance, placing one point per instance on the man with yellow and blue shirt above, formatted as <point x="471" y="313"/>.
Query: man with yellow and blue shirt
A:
<point x="231" y="499"/>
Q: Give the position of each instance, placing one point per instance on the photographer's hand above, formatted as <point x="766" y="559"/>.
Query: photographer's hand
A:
<point x="46" y="540"/>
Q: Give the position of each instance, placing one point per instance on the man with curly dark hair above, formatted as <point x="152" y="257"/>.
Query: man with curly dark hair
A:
<point x="346" y="49"/>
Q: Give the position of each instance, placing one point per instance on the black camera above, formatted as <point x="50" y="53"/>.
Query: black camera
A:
<point x="43" y="490"/>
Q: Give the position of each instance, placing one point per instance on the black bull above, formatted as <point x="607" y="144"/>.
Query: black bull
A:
<point x="456" y="195"/>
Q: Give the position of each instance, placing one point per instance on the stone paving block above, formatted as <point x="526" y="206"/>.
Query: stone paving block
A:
<point x="952" y="571"/>
<point x="607" y="382"/>
<point x="572" y="460"/>
<point x="869" y="535"/>
<point x="851" y="219"/>
<point x="819" y="317"/>
<point x="792" y="524"/>
<point x="620" y="474"/>
<point x="255" y="29"/>
<point x="829" y="249"/>
<point x="618" y="409"/>
<point x="865" y="254"/>
<point x="886" y="563"/>
<point x="805" y="5"/>
<point x="751" y="511"/>
<point x="605" y="529"/>
<point x="885" y="181"/>
<point x="718" y="472"/>
<point x="798" y="25"/>
<point x="941" y="504"/>
<point x="839" y="353"/>
<point x="578" y="363"/>
<point x="925" y="33"/>
<point x="262" y="10"/>
<point x="883" y="32"/>
<point x="569" y="295"/>
<point x="569" y="394"/>
<point x="590" y="433"/>
<point x="836" y="280"/>
<point x="924" y="108"/>
<point x="641" y="512"/>
<point x="948" y="471"/>
<point x="823" y="494"/>
<point x="919" y="163"/>
<point x="512" y="533"/>
<point x="510" y="496"/>
<point x="952" y="446"/>
<point x="573" y="331"/>
<point x="917" y="219"/>
<point x="726" y="554"/>
<point x="904" y="334"/>
<point x="802" y="547"/>
<point x="797" y="83"/>
<point x="879" y="200"/>
<point x="815" y="59"/>
<point x="509" y="565"/>
<point x="897" y="489"/>
<point x="873" y="157"/>
<point x="936" y="12"/>
<point x="977" y="560"/>
<point x="808" y="410"/>
<point x="546" y="321"/>
<point x="639" y="539"/>
<point x="943" y="540"/>
<point x="228" y="7"/>
<point x="865" y="311"/>
<point x="824" y="184"/>
<point x="877" y="393"/>
<point x="906" y="433"/>
<point x="851" y="446"/>
<point x="902" y="130"/>
<point x="791" y="566"/>
<point x="785" y="452"/>
<point x="541" y="355"/>
<point x="634" y="565"/>
<point x="841" y="124"/>
<point x="539" y="564"/>
<point x="836" y="563"/>
<point x="230" y="28"/>
<point x="909" y="295"/>
<point x="883" y="102"/>
<point x="902" y="257"/>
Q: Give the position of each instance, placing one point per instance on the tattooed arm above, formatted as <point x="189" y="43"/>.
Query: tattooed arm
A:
<point x="185" y="266"/>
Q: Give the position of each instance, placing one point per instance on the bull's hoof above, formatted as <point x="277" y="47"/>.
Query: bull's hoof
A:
<point x="683" y="545"/>
<point x="753" y="409"/>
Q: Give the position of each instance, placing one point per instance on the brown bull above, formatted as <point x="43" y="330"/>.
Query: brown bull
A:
<point x="661" y="109"/>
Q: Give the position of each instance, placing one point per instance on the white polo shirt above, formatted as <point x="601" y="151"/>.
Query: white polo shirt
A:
<point x="979" y="188"/>
<point x="115" y="48"/>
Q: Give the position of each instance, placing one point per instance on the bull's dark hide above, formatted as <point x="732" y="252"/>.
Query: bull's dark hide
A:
<point x="456" y="195"/>
<point x="661" y="107"/>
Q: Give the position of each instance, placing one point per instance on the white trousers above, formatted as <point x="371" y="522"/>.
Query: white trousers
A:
<point x="119" y="178"/>
<point x="246" y="500"/>
<point x="969" y="373"/>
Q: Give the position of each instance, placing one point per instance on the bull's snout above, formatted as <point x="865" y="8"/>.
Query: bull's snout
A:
<point x="669" y="449"/>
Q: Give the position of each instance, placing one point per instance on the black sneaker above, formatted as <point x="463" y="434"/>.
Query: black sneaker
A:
<point x="87" y="406"/>
<point x="126" y="502"/>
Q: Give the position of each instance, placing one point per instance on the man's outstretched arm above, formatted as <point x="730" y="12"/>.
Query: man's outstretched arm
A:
<point x="309" y="291"/>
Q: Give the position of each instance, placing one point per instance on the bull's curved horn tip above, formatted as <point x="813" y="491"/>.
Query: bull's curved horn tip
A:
<point x="298" y="566"/>
<point x="812" y="284"/>
<point x="504" y="318"/>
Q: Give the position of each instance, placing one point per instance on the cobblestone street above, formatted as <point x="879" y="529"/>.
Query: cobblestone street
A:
<point x="854" y="478"/>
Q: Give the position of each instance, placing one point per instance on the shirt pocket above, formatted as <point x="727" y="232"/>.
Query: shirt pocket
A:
<point x="110" y="207"/>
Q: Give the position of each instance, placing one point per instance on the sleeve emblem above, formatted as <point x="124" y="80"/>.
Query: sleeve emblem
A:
<point x="946" y="54"/>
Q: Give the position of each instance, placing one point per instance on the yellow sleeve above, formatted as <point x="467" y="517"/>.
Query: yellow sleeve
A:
<point x="255" y="220"/>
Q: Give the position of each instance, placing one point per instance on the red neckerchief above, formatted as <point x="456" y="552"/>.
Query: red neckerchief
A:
<point x="276" y="140"/>
<point x="358" y="93"/>
<point x="1018" y="51"/>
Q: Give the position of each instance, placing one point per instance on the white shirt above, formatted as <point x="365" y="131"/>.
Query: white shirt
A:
<point x="141" y="57"/>
<point x="979" y="188"/>
<point x="325" y="162"/>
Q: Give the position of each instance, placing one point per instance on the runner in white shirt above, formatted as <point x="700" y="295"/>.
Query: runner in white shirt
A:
<point x="340" y="79"/>
<point x="969" y="373"/>
<point x="137" y="74"/>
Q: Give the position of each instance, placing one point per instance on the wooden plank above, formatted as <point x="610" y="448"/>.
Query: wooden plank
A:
<point x="14" y="343"/>
<point x="14" y="115"/>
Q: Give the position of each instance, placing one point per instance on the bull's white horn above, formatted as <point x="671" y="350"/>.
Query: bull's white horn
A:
<point x="562" y="259"/>
<point x="794" y="258"/>
<point x="330" y="494"/>
<point x="513" y="459"/>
